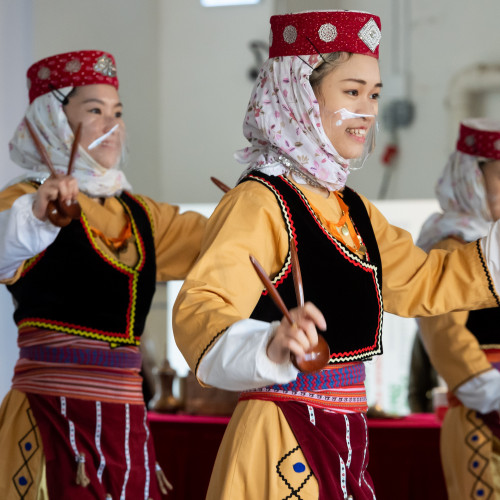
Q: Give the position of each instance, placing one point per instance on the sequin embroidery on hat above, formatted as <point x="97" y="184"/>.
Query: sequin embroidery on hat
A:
<point x="73" y="66"/>
<point x="71" y="69"/>
<point x="105" y="66"/>
<point x="43" y="73"/>
<point x="370" y="34"/>
<point x="290" y="34"/>
<point x="470" y="140"/>
<point x="327" y="32"/>
<point x="313" y="32"/>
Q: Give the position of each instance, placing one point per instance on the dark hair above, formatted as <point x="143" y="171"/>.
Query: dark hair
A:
<point x="331" y="61"/>
<point x="63" y="99"/>
<point x="71" y="93"/>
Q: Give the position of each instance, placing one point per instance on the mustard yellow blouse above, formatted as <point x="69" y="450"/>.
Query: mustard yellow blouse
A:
<point x="453" y="349"/>
<point x="177" y="236"/>
<point x="223" y="288"/>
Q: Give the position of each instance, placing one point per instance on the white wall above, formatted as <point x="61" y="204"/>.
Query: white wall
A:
<point x="15" y="55"/>
<point x="205" y="58"/>
<point x="387" y="376"/>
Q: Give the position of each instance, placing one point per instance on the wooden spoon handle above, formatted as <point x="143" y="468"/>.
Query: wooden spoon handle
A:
<point x="220" y="184"/>
<point x="297" y="276"/>
<point x="271" y="290"/>
<point x="59" y="214"/>
<point x="41" y="150"/>
<point x="317" y="357"/>
<point x="74" y="148"/>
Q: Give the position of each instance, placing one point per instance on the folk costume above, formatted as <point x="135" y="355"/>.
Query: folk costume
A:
<point x="74" y="424"/>
<point x="463" y="346"/>
<point x="297" y="435"/>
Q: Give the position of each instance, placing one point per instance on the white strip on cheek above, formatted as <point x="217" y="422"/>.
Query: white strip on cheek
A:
<point x="102" y="138"/>
<point x="345" y="114"/>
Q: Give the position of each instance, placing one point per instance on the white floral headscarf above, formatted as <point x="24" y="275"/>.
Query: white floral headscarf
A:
<point x="461" y="194"/>
<point x="46" y="114"/>
<point x="283" y="116"/>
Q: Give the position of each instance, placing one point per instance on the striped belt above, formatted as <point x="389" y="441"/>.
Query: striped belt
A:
<point x="329" y="378"/>
<point x="96" y="357"/>
<point x="337" y="388"/>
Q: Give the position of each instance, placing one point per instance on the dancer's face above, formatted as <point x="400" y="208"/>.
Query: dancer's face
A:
<point x="355" y="86"/>
<point x="98" y="109"/>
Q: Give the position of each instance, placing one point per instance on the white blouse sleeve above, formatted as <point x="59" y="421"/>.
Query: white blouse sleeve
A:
<point x="22" y="235"/>
<point x="481" y="393"/>
<point x="238" y="361"/>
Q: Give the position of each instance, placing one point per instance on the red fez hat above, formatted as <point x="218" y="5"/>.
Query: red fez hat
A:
<point x="71" y="69"/>
<point x="480" y="137"/>
<point x="324" y="31"/>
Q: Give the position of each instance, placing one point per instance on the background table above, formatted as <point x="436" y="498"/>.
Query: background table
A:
<point x="405" y="463"/>
<point x="404" y="455"/>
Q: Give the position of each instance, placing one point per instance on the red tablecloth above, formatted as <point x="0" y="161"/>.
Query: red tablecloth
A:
<point x="404" y="455"/>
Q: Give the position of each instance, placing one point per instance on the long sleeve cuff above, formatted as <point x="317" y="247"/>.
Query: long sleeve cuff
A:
<point x="238" y="361"/>
<point x="481" y="393"/>
<point x="22" y="235"/>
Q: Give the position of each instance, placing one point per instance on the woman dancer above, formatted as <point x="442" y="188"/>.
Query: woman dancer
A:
<point x="311" y="118"/>
<point x="74" y="424"/>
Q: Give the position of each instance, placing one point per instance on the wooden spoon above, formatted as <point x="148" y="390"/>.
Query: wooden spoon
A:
<point x="220" y="184"/>
<point x="314" y="359"/>
<point x="58" y="213"/>
<point x="317" y="357"/>
<point x="73" y="210"/>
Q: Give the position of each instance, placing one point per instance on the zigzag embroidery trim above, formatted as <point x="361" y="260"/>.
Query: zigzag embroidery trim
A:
<point x="486" y="272"/>
<point x="115" y="340"/>
<point x="109" y="258"/>
<point x="31" y="263"/>
<point x="132" y="273"/>
<point x="294" y="492"/>
<point x="476" y="439"/>
<point x="28" y="448"/>
<point x="216" y="336"/>
<point x="285" y="270"/>
<point x="140" y="200"/>
<point x="349" y="255"/>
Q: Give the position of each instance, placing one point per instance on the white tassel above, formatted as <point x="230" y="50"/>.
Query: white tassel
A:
<point x="163" y="482"/>
<point x="81" y="476"/>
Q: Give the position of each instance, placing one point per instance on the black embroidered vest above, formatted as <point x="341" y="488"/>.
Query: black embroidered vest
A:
<point x="73" y="287"/>
<point x="485" y="325"/>
<point x="346" y="288"/>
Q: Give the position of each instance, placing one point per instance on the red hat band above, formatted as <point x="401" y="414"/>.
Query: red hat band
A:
<point x="483" y="141"/>
<point x="71" y="69"/>
<point x="308" y="33"/>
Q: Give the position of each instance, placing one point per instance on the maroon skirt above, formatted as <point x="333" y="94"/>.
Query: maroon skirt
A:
<point x="336" y="448"/>
<point x="106" y="447"/>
